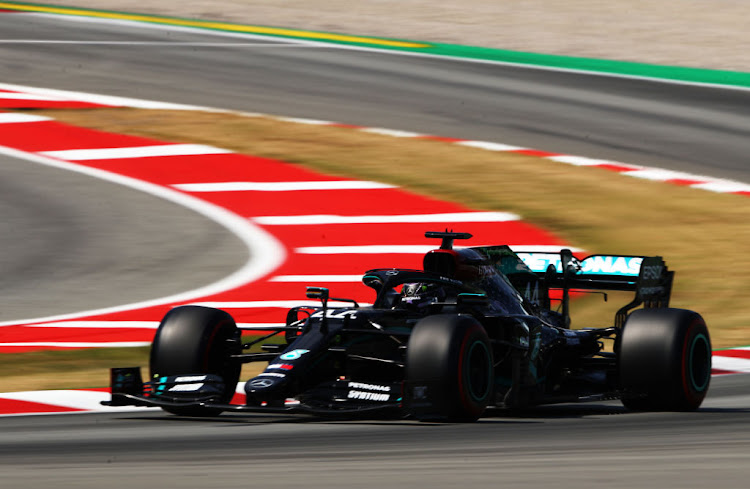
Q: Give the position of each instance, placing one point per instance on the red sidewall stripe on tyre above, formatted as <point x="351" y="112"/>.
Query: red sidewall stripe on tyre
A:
<point x="463" y="371"/>
<point x="688" y="346"/>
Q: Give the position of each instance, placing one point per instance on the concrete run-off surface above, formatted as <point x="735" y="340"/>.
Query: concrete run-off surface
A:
<point x="695" y="33"/>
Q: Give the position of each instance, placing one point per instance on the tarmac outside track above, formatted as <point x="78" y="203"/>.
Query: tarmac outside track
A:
<point x="64" y="235"/>
<point x="569" y="446"/>
<point x="692" y="129"/>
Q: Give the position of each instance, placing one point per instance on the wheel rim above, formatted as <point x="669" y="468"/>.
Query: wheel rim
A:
<point x="478" y="371"/>
<point x="699" y="363"/>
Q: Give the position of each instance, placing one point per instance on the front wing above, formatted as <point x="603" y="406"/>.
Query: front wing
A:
<point x="337" y="398"/>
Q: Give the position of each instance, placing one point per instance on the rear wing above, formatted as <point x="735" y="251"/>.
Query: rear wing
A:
<point x="647" y="276"/>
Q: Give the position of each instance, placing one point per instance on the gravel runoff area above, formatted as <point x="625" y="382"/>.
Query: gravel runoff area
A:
<point x="698" y="33"/>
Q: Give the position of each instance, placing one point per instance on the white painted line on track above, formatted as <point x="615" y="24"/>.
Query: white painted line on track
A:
<point x="73" y="399"/>
<point x="582" y="161"/>
<point x="297" y="120"/>
<point x="269" y="326"/>
<point x="660" y="175"/>
<point x="110" y="100"/>
<point x="134" y="152"/>
<point x="265" y="252"/>
<point x="97" y="325"/>
<point x="731" y="364"/>
<point x="392" y="132"/>
<point x="14" y="117"/>
<point x="153" y="43"/>
<point x="489" y="146"/>
<point x="315" y="278"/>
<point x="386" y="219"/>
<point x="281" y="186"/>
<point x="722" y="186"/>
<point x="153" y="325"/>
<point x="100" y="409"/>
<point x="30" y="96"/>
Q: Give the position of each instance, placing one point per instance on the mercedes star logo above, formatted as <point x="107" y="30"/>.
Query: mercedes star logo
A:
<point x="261" y="383"/>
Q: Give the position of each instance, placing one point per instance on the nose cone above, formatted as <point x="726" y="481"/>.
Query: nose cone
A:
<point x="265" y="388"/>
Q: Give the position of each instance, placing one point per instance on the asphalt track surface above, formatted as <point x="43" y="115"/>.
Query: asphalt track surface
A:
<point x="597" y="445"/>
<point x="692" y="129"/>
<point x="71" y="242"/>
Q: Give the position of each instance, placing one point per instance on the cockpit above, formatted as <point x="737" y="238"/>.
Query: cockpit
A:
<point x="447" y="273"/>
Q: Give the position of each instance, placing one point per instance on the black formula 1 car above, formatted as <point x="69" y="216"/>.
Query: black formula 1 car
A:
<point x="474" y="329"/>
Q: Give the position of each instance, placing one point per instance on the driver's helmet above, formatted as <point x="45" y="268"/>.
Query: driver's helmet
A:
<point x="419" y="295"/>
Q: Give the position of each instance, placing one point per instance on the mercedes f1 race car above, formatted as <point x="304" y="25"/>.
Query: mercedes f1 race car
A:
<point x="476" y="328"/>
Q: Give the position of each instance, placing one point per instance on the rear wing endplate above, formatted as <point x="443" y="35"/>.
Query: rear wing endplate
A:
<point x="647" y="276"/>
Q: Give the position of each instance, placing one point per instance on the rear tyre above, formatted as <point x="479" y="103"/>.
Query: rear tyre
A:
<point x="196" y="340"/>
<point x="665" y="360"/>
<point x="449" y="363"/>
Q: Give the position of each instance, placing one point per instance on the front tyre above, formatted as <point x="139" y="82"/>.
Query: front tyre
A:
<point x="196" y="340"/>
<point x="450" y="372"/>
<point x="665" y="360"/>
